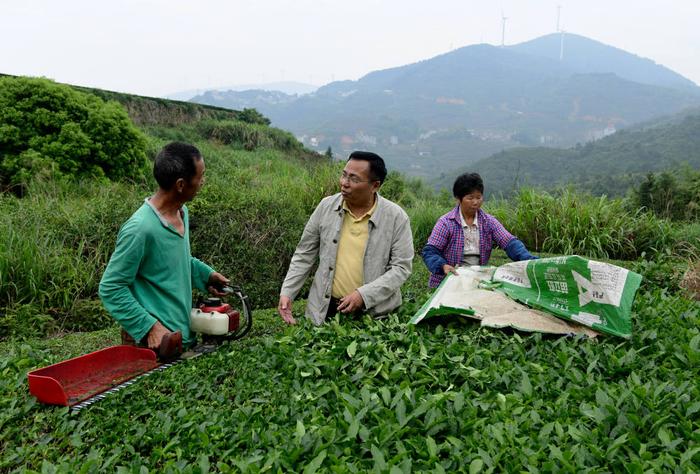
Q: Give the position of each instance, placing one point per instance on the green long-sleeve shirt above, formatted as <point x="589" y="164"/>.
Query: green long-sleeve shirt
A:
<point x="151" y="274"/>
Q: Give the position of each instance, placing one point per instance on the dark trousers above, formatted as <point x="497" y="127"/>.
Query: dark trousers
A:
<point x="333" y="310"/>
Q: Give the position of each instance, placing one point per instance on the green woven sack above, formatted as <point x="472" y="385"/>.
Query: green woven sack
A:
<point x="596" y="294"/>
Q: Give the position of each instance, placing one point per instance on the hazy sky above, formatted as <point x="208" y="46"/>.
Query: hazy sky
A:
<point x="156" y="47"/>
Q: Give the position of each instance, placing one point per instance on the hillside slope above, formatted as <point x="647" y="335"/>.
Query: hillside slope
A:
<point x="608" y="166"/>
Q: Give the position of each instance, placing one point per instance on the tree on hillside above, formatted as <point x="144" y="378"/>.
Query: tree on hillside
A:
<point x="671" y="195"/>
<point x="51" y="130"/>
<point x="253" y="116"/>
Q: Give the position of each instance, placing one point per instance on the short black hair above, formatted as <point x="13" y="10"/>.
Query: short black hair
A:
<point x="176" y="160"/>
<point x="467" y="183"/>
<point x="377" y="168"/>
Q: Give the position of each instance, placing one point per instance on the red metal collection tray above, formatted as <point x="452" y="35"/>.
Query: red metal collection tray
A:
<point x="74" y="380"/>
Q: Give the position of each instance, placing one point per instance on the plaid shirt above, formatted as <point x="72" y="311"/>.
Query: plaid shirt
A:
<point x="448" y="238"/>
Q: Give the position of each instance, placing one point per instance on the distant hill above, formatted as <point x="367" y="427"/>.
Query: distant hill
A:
<point x="608" y="166"/>
<point x="286" y="87"/>
<point x="436" y="115"/>
<point x="259" y="99"/>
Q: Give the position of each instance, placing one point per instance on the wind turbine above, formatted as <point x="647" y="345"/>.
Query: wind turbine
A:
<point x="561" y="33"/>
<point x="561" y="45"/>
<point x="503" y="29"/>
<point x="558" y="16"/>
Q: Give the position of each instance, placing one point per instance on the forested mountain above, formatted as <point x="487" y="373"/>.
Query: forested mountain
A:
<point x="608" y="166"/>
<point x="436" y="115"/>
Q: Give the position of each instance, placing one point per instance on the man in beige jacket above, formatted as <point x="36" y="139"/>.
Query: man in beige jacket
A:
<point x="362" y="243"/>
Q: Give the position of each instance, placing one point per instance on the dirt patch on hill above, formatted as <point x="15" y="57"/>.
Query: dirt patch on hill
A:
<point x="691" y="280"/>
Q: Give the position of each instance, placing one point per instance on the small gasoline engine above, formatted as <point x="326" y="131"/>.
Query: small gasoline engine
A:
<point x="218" y="321"/>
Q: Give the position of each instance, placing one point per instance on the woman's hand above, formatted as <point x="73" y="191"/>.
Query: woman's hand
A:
<point x="449" y="269"/>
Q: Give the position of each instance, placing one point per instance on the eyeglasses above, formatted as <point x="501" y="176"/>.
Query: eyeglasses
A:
<point x="353" y="179"/>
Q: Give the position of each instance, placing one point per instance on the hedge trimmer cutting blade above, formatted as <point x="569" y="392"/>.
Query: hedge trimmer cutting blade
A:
<point x="84" y="380"/>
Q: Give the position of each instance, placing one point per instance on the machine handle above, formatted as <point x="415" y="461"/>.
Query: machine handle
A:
<point x="247" y="310"/>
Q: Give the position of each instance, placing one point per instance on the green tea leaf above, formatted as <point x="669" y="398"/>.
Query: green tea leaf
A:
<point x="203" y="463"/>
<point x="378" y="456"/>
<point x="401" y="412"/>
<point x="476" y="466"/>
<point x="525" y="385"/>
<point x="315" y="463"/>
<point x="432" y="447"/>
<point x="300" y="430"/>
<point x="695" y="343"/>
<point x="459" y="401"/>
<point x="351" y="349"/>
<point x="353" y="428"/>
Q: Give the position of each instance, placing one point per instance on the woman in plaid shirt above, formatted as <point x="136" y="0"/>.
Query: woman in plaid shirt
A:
<point x="466" y="234"/>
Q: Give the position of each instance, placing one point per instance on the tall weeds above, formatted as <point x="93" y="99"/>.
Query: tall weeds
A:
<point x="574" y="223"/>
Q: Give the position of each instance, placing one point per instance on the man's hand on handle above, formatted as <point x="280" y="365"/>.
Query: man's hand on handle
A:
<point x="216" y="282"/>
<point x="155" y="335"/>
<point x="284" y="308"/>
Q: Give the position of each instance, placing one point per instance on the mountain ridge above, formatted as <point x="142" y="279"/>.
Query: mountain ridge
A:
<point x="502" y="96"/>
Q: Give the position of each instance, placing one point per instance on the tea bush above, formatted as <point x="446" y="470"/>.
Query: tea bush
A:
<point x="381" y="396"/>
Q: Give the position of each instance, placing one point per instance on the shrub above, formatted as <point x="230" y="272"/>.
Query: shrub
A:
<point x="253" y="116"/>
<point x="49" y="130"/>
<point x="663" y="270"/>
<point x="24" y="321"/>
<point x="670" y="194"/>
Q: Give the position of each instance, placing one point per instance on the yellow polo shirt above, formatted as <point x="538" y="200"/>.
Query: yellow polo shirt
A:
<point x="349" y="265"/>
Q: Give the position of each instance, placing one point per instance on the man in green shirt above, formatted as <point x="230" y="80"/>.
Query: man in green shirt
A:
<point x="147" y="285"/>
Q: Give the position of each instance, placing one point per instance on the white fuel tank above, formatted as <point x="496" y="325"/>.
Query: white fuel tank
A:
<point x="211" y="322"/>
